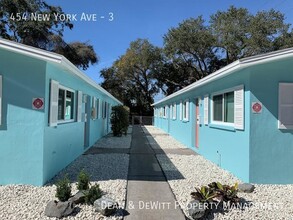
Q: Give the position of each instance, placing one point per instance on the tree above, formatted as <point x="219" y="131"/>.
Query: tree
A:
<point x="231" y="30"/>
<point x="174" y="75"/>
<point x="189" y="53"/>
<point x="115" y="84"/>
<point x="240" y="34"/>
<point x="266" y="28"/>
<point x="195" y="48"/>
<point x="134" y="72"/>
<point x="192" y="44"/>
<point x="17" y="23"/>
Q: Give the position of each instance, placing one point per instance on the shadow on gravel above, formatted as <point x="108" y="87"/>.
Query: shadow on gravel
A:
<point x="101" y="162"/>
<point x="222" y="209"/>
<point x="100" y="167"/>
<point x="136" y="163"/>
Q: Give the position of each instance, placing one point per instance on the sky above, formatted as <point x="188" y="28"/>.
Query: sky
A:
<point x="126" y="20"/>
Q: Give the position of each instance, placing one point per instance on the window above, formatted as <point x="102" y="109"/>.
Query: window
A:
<point x="164" y="112"/>
<point x="174" y="111"/>
<point x="0" y="99"/>
<point x="94" y="108"/>
<point x="285" y="106"/>
<point x="180" y="109"/>
<point x="65" y="104"/>
<point x="62" y="104"/>
<point x="103" y="113"/>
<point x="98" y="109"/>
<point x="79" y="106"/>
<point x="223" y="107"/>
<point x="228" y="107"/>
<point x="185" y="110"/>
<point x="109" y="109"/>
<point x="104" y="110"/>
<point x="206" y="109"/>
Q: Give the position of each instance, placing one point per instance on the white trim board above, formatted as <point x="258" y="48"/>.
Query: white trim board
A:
<point x="231" y="68"/>
<point x="54" y="58"/>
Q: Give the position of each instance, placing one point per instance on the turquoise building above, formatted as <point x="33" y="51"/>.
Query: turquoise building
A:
<point x="240" y="117"/>
<point x="50" y="113"/>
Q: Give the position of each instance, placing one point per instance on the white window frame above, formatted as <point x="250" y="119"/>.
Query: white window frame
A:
<point x="98" y="108"/>
<point x="94" y="108"/>
<point x="74" y="95"/>
<point x="165" y="113"/>
<point x="206" y="109"/>
<point x="223" y="106"/>
<point x="185" y="110"/>
<point x="222" y="92"/>
<point x="180" y="110"/>
<point x="281" y="105"/>
<point x="174" y="109"/>
<point x="103" y="109"/>
<point x="79" y="106"/>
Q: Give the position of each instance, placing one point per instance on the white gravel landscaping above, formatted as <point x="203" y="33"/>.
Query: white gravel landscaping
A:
<point x="268" y="201"/>
<point x="159" y="139"/>
<point x="29" y="202"/>
<point x="110" y="141"/>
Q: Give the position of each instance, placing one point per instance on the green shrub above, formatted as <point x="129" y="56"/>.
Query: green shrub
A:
<point x="63" y="191"/>
<point x="119" y="120"/>
<point x="83" y="180"/>
<point x="93" y="194"/>
<point x="224" y="193"/>
<point x="204" y="194"/>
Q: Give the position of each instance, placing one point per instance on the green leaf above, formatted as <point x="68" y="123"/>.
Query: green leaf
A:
<point x="220" y="186"/>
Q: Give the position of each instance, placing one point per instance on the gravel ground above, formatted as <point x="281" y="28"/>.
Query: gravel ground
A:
<point x="29" y="202"/>
<point x="160" y="139"/>
<point x="148" y="129"/>
<point x="185" y="172"/>
<point x="110" y="141"/>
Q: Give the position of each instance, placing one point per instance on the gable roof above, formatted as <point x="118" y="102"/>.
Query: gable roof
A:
<point x="52" y="58"/>
<point x="232" y="68"/>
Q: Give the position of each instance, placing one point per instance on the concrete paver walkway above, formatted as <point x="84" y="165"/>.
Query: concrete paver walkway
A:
<point x="149" y="196"/>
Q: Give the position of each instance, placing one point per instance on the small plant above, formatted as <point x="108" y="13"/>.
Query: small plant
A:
<point x="83" y="180"/>
<point x="93" y="194"/>
<point x="119" y="120"/>
<point x="63" y="191"/>
<point x="204" y="194"/>
<point x="224" y="192"/>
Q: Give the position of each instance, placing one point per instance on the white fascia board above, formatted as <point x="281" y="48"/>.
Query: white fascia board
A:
<point x="267" y="57"/>
<point x="231" y="68"/>
<point x="51" y="57"/>
<point x="73" y="69"/>
<point x="210" y="78"/>
<point x="30" y="51"/>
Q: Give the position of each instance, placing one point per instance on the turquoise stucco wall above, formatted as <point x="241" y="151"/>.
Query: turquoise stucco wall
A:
<point x="271" y="149"/>
<point x="64" y="143"/>
<point x="31" y="151"/>
<point x="21" y="132"/>
<point x="222" y="145"/>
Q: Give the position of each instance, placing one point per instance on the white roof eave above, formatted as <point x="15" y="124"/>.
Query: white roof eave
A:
<point x="51" y="57"/>
<point x="231" y="68"/>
